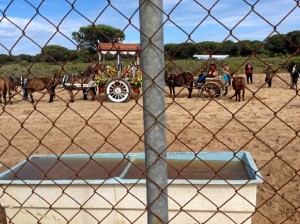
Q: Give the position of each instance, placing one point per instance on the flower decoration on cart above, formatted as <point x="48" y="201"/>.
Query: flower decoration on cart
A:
<point x="104" y="75"/>
<point x="110" y="71"/>
<point x="126" y="72"/>
<point x="137" y="80"/>
<point x="101" y="79"/>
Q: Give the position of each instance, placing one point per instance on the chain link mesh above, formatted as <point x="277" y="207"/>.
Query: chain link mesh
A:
<point x="264" y="124"/>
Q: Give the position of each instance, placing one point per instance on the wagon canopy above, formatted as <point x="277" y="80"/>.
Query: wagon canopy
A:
<point x="207" y="57"/>
<point x="114" y="48"/>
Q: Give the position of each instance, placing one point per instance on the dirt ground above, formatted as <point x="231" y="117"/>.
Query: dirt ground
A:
<point x="266" y="124"/>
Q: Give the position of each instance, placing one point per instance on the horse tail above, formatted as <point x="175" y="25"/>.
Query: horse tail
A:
<point x="6" y="91"/>
<point x="5" y="88"/>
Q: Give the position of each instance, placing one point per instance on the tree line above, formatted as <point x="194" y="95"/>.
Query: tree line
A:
<point x="89" y="36"/>
<point x="275" y="45"/>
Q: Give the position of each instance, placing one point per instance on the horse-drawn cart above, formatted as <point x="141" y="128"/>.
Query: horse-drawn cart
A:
<point x="118" y="87"/>
<point x="216" y="87"/>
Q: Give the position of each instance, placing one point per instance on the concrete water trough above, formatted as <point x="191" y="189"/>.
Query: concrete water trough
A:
<point x="111" y="188"/>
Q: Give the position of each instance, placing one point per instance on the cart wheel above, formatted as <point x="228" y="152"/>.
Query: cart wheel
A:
<point x="210" y="91"/>
<point x="117" y="90"/>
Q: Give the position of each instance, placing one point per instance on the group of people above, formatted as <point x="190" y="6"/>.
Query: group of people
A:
<point x="270" y="73"/>
<point x="213" y="72"/>
<point x="294" y="71"/>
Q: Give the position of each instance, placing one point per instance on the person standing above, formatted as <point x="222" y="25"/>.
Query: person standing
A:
<point x="249" y="72"/>
<point x="23" y="85"/>
<point x="227" y="75"/>
<point x="294" y="76"/>
<point x="291" y="68"/>
<point x="269" y="75"/>
<point x="133" y="69"/>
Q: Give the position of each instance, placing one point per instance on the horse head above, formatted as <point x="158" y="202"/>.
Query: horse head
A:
<point x="167" y="78"/>
<point x="12" y="86"/>
<point x="183" y="79"/>
<point x="14" y="83"/>
<point x="57" y="79"/>
<point x="171" y="78"/>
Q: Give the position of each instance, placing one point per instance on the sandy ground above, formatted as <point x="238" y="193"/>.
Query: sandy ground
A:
<point x="266" y="124"/>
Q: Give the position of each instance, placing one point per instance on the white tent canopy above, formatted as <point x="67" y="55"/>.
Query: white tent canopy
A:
<point x="207" y="57"/>
<point x="115" y="52"/>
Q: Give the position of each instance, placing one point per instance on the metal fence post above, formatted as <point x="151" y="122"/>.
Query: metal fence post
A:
<point x="152" y="65"/>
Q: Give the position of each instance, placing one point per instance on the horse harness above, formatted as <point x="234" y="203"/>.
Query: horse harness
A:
<point x="175" y="80"/>
<point x="70" y="82"/>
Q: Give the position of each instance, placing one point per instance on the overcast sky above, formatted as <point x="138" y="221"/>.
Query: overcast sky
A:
<point x="25" y="30"/>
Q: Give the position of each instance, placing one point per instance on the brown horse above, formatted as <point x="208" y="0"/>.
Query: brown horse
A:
<point x="184" y="79"/>
<point x="5" y="90"/>
<point x="238" y="84"/>
<point x="39" y="84"/>
<point x="82" y="82"/>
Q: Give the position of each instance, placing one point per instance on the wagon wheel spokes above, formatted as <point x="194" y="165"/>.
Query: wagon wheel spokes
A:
<point x="117" y="90"/>
<point x="116" y="94"/>
<point x="211" y="91"/>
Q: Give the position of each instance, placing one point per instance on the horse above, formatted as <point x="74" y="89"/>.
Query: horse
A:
<point x="184" y="79"/>
<point x="5" y="90"/>
<point x="14" y="84"/>
<point x="82" y="82"/>
<point x="39" y="84"/>
<point x="238" y="84"/>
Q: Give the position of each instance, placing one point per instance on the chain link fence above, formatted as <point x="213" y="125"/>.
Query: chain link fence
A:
<point x="85" y="161"/>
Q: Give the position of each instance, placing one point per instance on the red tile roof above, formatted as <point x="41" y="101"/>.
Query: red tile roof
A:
<point x="118" y="47"/>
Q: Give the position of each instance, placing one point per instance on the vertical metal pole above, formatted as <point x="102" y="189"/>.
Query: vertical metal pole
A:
<point x="152" y="66"/>
<point x="119" y="65"/>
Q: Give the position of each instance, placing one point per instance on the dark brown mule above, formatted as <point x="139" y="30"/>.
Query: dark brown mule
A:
<point x="5" y="90"/>
<point x="82" y="82"/>
<point x="39" y="84"/>
<point x="14" y="84"/>
<point x="238" y="84"/>
<point x="184" y="79"/>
